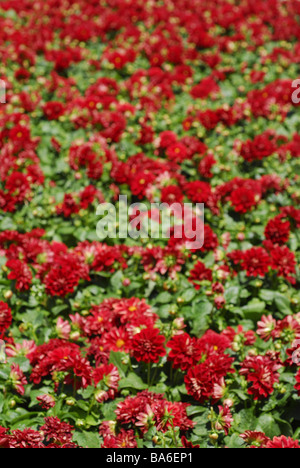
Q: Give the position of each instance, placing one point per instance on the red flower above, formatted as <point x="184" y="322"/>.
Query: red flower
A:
<point x="53" y="110"/>
<point x="20" y="273"/>
<point x="206" y="87"/>
<point x="200" y="273"/>
<point x="205" y="166"/>
<point x="284" y="261"/>
<point x="177" y="152"/>
<point x="256" y="261"/>
<point x="198" y="192"/>
<point x="243" y="200"/>
<point x="171" y="194"/>
<point x="17" y="379"/>
<point x="224" y="419"/>
<point x="255" y="438"/>
<point x="4" y="437"/>
<point x="187" y="444"/>
<point x="266" y="327"/>
<point x="19" y="135"/>
<point x="261" y="371"/>
<point x="28" y="438"/>
<point x="258" y="149"/>
<point x="46" y="401"/>
<point x="68" y="207"/>
<point x="185" y="351"/>
<point x="140" y="182"/>
<point x="109" y="375"/>
<point x="283" y="442"/>
<point x="60" y="432"/>
<point x="277" y="231"/>
<point x="125" y="439"/>
<point x="147" y="346"/>
<point x="201" y="379"/>
<point x="5" y="317"/>
<point x="297" y="385"/>
<point x="62" y="278"/>
<point x="18" y="186"/>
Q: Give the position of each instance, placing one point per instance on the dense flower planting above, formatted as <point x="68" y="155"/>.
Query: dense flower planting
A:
<point x="123" y="343"/>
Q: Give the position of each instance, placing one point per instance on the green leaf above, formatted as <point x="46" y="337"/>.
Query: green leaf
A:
<point x="245" y="420"/>
<point x="116" y="280"/>
<point x="283" y="304"/>
<point x="164" y="311"/>
<point x="232" y="294"/>
<point x="254" y="309"/>
<point x="234" y="441"/>
<point x="108" y="409"/>
<point x="266" y="295"/>
<point x="59" y="309"/>
<point x="266" y="423"/>
<point x="189" y="295"/>
<point x="87" y="439"/>
<point x="164" y="298"/>
<point x="87" y="392"/>
<point x="132" y="381"/>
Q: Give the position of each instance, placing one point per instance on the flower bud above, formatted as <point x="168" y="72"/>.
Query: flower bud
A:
<point x="8" y="295"/>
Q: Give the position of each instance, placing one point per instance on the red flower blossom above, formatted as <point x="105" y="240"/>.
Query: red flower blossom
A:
<point x="171" y="194"/>
<point x="224" y="419"/>
<point x="177" y="152"/>
<point x="261" y="371"/>
<point x="17" y="379"/>
<point x="205" y="88"/>
<point x="46" y="401"/>
<point x="277" y="231"/>
<point x="57" y="431"/>
<point x="53" y="110"/>
<point x="256" y="261"/>
<point x="205" y="166"/>
<point x="4" y="437"/>
<point x="147" y="345"/>
<point x="243" y="200"/>
<point x="125" y="439"/>
<point x="185" y="351"/>
<point x="284" y="261"/>
<point x="283" y="442"/>
<point x="200" y="380"/>
<point x="5" y="317"/>
<point x="28" y="438"/>
<point x="200" y="273"/>
<point x="187" y="444"/>
<point x="20" y="273"/>
<point x="255" y="438"/>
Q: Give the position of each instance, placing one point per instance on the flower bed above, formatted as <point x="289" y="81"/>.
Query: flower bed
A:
<point x="147" y="342"/>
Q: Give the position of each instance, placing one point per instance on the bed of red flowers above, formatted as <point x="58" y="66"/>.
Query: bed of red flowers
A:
<point x="131" y="344"/>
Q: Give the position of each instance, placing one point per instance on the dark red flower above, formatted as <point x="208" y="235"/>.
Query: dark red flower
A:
<point x="5" y="317"/>
<point x="261" y="371"/>
<point x="283" y="442"/>
<point x="185" y="351"/>
<point x="56" y="430"/>
<point x="256" y="261"/>
<point x="147" y="345"/>
<point x="243" y="200"/>
<point x="277" y="230"/>
<point x="200" y="273"/>
<point x="21" y="273"/>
